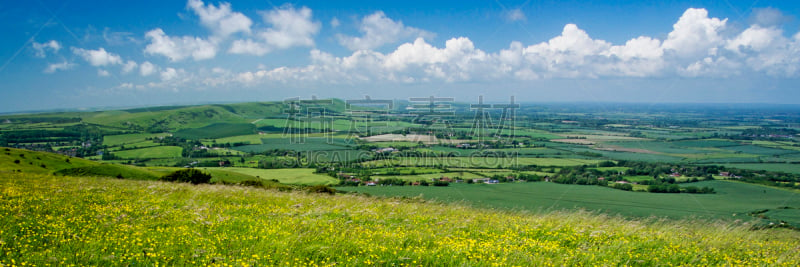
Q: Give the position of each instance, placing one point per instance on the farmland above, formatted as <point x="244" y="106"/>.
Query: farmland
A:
<point x="655" y="167"/>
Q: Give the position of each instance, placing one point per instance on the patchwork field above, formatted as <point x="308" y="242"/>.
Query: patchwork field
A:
<point x="479" y="162"/>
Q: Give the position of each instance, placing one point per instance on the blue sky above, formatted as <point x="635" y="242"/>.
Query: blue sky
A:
<point x="86" y="54"/>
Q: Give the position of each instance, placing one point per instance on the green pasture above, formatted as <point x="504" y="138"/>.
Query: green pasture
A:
<point x="217" y="130"/>
<point x="775" y="167"/>
<point x="303" y="144"/>
<point x="252" y="139"/>
<point x="297" y="176"/>
<point x="124" y="139"/>
<point x="151" y="153"/>
<point x="37" y="162"/>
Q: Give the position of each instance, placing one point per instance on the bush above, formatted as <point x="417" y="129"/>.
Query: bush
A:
<point x="626" y="187"/>
<point x="252" y="183"/>
<point x="321" y="189"/>
<point x="440" y="183"/>
<point x="193" y="176"/>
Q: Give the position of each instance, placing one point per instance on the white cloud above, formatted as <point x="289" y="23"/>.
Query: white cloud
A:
<point x="51" y="68"/>
<point x="147" y="68"/>
<point x="290" y="27"/>
<point x="221" y="20"/>
<point x="515" y="15"/>
<point x="249" y="47"/>
<point x="118" y="38"/>
<point x="169" y="74"/>
<point x="695" y="34"/>
<point x="129" y="66"/>
<point x="42" y="48"/>
<point x="767" y="17"/>
<point x="335" y="22"/>
<point x="103" y="73"/>
<point x="179" y="48"/>
<point x="98" y="57"/>
<point x="379" y="30"/>
<point x="698" y="46"/>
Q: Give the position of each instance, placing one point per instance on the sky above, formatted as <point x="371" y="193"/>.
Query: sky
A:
<point x="103" y="54"/>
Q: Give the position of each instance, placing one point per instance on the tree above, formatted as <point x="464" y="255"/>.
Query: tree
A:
<point x="193" y="176"/>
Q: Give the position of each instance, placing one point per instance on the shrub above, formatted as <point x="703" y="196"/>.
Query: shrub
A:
<point x="321" y="189"/>
<point x="626" y="187"/>
<point x="440" y="183"/>
<point x="252" y="183"/>
<point x="193" y="176"/>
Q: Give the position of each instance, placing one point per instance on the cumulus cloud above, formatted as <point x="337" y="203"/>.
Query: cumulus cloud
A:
<point x="51" y="68"/>
<point x="248" y="46"/>
<point x="41" y="49"/>
<point x="169" y="74"/>
<point x="335" y="22"/>
<point x="290" y="27"/>
<point x="103" y="73"/>
<point x="179" y="48"/>
<point x="98" y="57"/>
<point x="698" y="46"/>
<point x="515" y="15"/>
<point x="147" y="68"/>
<point x="221" y="20"/>
<point x="129" y="66"/>
<point x="695" y="34"/>
<point x="379" y="30"/>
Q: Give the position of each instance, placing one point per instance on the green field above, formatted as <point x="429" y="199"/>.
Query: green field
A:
<point x="285" y="176"/>
<point x="306" y="144"/>
<point x="124" y="139"/>
<point x="732" y="201"/>
<point x="104" y="222"/>
<point x="428" y="177"/>
<point x="217" y="130"/>
<point x="158" y="152"/>
<point x="479" y="162"/>
<point x="252" y="139"/>
<point x="777" y="167"/>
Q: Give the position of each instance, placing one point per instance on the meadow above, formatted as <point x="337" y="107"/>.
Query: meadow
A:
<point x="95" y="221"/>
<point x="158" y="152"/>
<point x="286" y="176"/>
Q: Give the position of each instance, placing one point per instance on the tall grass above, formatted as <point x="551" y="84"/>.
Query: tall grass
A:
<point x="51" y="220"/>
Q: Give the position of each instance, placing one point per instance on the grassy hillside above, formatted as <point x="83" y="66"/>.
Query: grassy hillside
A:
<point x="94" y="221"/>
<point x="21" y="160"/>
<point x="110" y="170"/>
